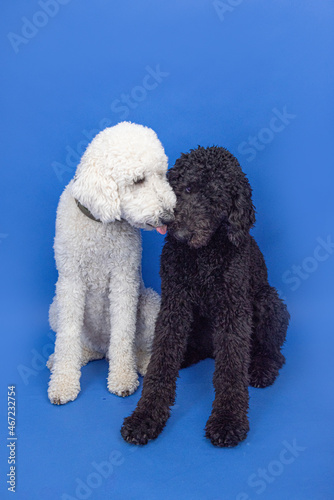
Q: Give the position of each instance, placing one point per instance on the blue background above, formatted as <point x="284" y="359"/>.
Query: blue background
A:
<point x="226" y="68"/>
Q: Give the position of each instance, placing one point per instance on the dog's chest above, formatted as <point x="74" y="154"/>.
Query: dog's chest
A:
<point x="204" y="273"/>
<point x="94" y="262"/>
<point x="107" y="251"/>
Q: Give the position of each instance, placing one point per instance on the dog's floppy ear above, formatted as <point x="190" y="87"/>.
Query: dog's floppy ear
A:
<point x="94" y="188"/>
<point x="242" y="213"/>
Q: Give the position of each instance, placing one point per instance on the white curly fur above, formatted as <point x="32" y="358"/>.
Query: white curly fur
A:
<point x="101" y="307"/>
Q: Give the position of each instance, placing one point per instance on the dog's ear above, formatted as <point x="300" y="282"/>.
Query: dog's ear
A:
<point x="241" y="216"/>
<point x="94" y="188"/>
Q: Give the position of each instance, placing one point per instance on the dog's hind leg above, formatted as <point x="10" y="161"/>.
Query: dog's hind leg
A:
<point x="90" y="355"/>
<point x="87" y="355"/>
<point x="270" y="323"/>
<point x="53" y="315"/>
<point x="148" y="308"/>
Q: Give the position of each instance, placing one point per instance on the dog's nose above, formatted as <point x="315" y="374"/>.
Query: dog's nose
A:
<point x="182" y="235"/>
<point x="167" y="218"/>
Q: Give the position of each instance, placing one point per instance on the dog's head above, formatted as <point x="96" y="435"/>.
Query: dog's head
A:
<point x="122" y="175"/>
<point x="212" y="191"/>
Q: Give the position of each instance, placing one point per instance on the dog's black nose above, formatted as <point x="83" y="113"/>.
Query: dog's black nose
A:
<point x="167" y="218"/>
<point x="182" y="235"/>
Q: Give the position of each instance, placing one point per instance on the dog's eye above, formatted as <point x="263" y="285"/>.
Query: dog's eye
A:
<point x="187" y="189"/>
<point x="139" y="181"/>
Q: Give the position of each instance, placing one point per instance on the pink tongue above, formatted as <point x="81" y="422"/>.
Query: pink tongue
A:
<point x="161" y="229"/>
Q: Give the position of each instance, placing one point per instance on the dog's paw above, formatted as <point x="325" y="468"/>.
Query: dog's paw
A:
<point x="123" y="385"/>
<point x="140" y="428"/>
<point x="263" y="372"/>
<point x="226" y="433"/>
<point x="64" y="388"/>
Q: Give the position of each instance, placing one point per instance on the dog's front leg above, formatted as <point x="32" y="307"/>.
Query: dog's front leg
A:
<point x="228" y="423"/>
<point x="123" y="296"/>
<point x="64" y="383"/>
<point x="170" y="340"/>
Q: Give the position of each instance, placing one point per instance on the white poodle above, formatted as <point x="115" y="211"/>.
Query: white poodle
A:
<point x="101" y="308"/>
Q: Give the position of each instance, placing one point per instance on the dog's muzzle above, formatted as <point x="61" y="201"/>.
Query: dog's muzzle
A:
<point x="182" y="235"/>
<point x="166" y="218"/>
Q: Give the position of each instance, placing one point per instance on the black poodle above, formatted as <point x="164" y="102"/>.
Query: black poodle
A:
<point x="216" y="301"/>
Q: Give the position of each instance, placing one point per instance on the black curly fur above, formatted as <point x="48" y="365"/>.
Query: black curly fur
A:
<point x="216" y="301"/>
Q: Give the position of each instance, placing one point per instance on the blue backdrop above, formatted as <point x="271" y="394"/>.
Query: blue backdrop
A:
<point x="253" y="76"/>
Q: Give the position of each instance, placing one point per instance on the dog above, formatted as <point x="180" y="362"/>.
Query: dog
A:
<point x="216" y="301"/>
<point x="101" y="307"/>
